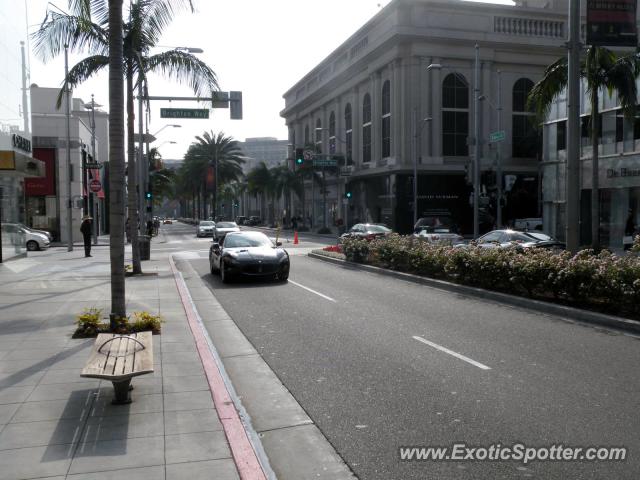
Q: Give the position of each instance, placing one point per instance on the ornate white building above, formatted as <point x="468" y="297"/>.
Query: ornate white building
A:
<point x="399" y="91"/>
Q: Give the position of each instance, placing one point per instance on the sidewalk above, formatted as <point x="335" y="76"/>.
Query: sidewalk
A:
<point x="55" y="424"/>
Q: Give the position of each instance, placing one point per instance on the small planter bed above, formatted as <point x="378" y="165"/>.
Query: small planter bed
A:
<point x="91" y="322"/>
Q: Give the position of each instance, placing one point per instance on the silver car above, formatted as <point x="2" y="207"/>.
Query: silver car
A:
<point x="32" y="240"/>
<point x="205" y="228"/>
<point x="442" y="235"/>
<point x="222" y="228"/>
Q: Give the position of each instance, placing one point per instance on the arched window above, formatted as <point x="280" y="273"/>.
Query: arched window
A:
<point x="523" y="136"/>
<point x="455" y="115"/>
<point x="306" y="135"/>
<point x="332" y="133"/>
<point x="318" y="136"/>
<point x="366" y="128"/>
<point x="386" y="119"/>
<point x="348" y="133"/>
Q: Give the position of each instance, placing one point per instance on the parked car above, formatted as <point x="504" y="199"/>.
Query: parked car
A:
<point x="254" y="220"/>
<point x="436" y="220"/>
<point x="250" y="254"/>
<point x="222" y="228"/>
<point x="511" y="238"/>
<point x="437" y="235"/>
<point x="366" y="231"/>
<point x="205" y="228"/>
<point x="35" y="230"/>
<point x="241" y="219"/>
<point x="30" y="239"/>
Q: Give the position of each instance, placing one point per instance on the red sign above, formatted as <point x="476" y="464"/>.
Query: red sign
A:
<point x="611" y="23"/>
<point x="42" y="186"/>
<point x="95" y="186"/>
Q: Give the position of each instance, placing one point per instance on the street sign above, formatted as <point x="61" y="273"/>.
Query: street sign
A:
<point x="95" y="186"/>
<point x="92" y="165"/>
<point x="184" y="113"/>
<point x="324" y="161"/>
<point x="498" y="136"/>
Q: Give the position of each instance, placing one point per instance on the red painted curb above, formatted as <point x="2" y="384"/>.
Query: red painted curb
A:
<point x="244" y="456"/>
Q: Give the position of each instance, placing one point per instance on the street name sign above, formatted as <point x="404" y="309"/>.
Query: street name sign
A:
<point x="324" y="161"/>
<point x="345" y="171"/>
<point x="498" y="136"/>
<point x="184" y="113"/>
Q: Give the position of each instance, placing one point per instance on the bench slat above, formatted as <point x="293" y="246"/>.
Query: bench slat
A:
<point x="121" y="358"/>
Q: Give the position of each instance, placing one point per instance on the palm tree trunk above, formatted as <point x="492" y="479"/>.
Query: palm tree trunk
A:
<point x="595" y="184"/>
<point x="131" y="180"/>
<point x="116" y="164"/>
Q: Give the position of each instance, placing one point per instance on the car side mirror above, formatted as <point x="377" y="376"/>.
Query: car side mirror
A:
<point x="216" y="246"/>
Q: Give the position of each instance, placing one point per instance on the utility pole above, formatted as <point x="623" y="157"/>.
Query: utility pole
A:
<point x="572" y="202"/>
<point x="476" y="145"/>
<point x="499" y="159"/>
<point x="67" y="101"/>
<point x="94" y="210"/>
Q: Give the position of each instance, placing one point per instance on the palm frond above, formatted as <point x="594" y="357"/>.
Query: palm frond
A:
<point x="185" y="68"/>
<point x="78" y="33"/>
<point x="160" y="13"/>
<point x="80" y="72"/>
<point x="543" y="93"/>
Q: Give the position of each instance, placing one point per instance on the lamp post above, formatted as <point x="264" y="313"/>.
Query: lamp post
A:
<point x="94" y="210"/>
<point x="476" y="136"/>
<point x="320" y="129"/>
<point x="67" y="113"/>
<point x="418" y="126"/>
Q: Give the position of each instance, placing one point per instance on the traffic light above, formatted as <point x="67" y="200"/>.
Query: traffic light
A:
<point x="347" y="194"/>
<point x="148" y="195"/>
<point x="299" y="156"/>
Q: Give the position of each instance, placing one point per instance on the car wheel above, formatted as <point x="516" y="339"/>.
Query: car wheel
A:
<point x="224" y="276"/>
<point x="32" y="246"/>
<point x="282" y="276"/>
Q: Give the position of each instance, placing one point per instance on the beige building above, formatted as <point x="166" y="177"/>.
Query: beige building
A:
<point x="398" y="94"/>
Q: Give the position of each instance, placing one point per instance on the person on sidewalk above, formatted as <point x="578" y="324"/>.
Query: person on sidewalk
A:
<point x="85" y="228"/>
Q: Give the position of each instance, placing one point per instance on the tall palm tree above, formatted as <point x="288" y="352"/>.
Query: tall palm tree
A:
<point x="220" y="152"/>
<point x="162" y="179"/>
<point x="602" y="69"/>
<point x="86" y="28"/>
<point x="287" y="182"/>
<point x="116" y="163"/>
<point x="260" y="181"/>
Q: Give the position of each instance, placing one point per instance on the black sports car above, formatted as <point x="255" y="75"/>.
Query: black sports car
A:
<point x="250" y="254"/>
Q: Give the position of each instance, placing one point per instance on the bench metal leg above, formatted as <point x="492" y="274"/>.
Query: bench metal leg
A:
<point x="121" y="389"/>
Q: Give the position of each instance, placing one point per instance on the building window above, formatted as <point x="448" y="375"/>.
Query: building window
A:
<point x="386" y="119"/>
<point x="455" y="116"/>
<point x="366" y="128"/>
<point x="332" y="133"/>
<point x="348" y="133"/>
<point x="318" y="136"/>
<point x="524" y="139"/>
<point x="561" y="136"/>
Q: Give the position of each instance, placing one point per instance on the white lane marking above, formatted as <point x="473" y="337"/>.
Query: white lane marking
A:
<point x="451" y="352"/>
<point x="313" y="291"/>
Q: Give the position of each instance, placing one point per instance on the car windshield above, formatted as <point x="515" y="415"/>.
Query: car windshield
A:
<point x="226" y="225"/>
<point x="247" y="240"/>
<point x="430" y="229"/>
<point x="207" y="224"/>
<point x="435" y="221"/>
<point x="377" y="229"/>
<point x="540" y="237"/>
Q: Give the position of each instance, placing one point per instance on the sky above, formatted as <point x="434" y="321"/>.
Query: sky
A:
<point x="259" y="47"/>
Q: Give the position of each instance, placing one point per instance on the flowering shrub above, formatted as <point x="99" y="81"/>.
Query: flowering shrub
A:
<point x="333" y="248"/>
<point x="604" y="281"/>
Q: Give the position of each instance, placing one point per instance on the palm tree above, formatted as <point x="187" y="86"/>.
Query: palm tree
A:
<point x="116" y="164"/>
<point x="162" y="179"/>
<point x="601" y="69"/>
<point x="220" y="152"/>
<point x="260" y="181"/>
<point x="87" y="28"/>
<point x="287" y="182"/>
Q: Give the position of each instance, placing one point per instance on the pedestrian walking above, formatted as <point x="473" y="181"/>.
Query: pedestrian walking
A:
<point x="294" y="223"/>
<point x="85" y="228"/>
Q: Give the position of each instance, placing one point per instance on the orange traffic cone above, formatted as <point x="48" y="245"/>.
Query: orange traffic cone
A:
<point x="295" y="237"/>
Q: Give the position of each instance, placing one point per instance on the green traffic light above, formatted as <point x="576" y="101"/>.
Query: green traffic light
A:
<point x="299" y="161"/>
<point x="348" y="195"/>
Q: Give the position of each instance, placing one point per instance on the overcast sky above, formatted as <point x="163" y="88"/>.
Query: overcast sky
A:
<point x="259" y="47"/>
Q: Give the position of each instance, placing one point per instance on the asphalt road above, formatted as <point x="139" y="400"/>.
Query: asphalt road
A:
<point x="380" y="363"/>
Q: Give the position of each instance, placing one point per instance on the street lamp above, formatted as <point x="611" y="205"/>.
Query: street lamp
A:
<point x="94" y="211"/>
<point x="166" y="126"/>
<point x="476" y="137"/>
<point x="418" y="126"/>
<point x="324" y="187"/>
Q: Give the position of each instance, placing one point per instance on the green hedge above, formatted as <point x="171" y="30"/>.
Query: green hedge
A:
<point x="605" y="281"/>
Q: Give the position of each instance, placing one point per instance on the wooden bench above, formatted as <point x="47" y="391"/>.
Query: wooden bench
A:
<point x="119" y="358"/>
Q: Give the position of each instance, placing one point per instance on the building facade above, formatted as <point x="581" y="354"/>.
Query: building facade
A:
<point x="398" y="95"/>
<point x="48" y="197"/>
<point x="16" y="159"/>
<point x="618" y="167"/>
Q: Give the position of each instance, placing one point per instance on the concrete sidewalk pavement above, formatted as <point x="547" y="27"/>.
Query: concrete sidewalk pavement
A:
<point x="56" y="424"/>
